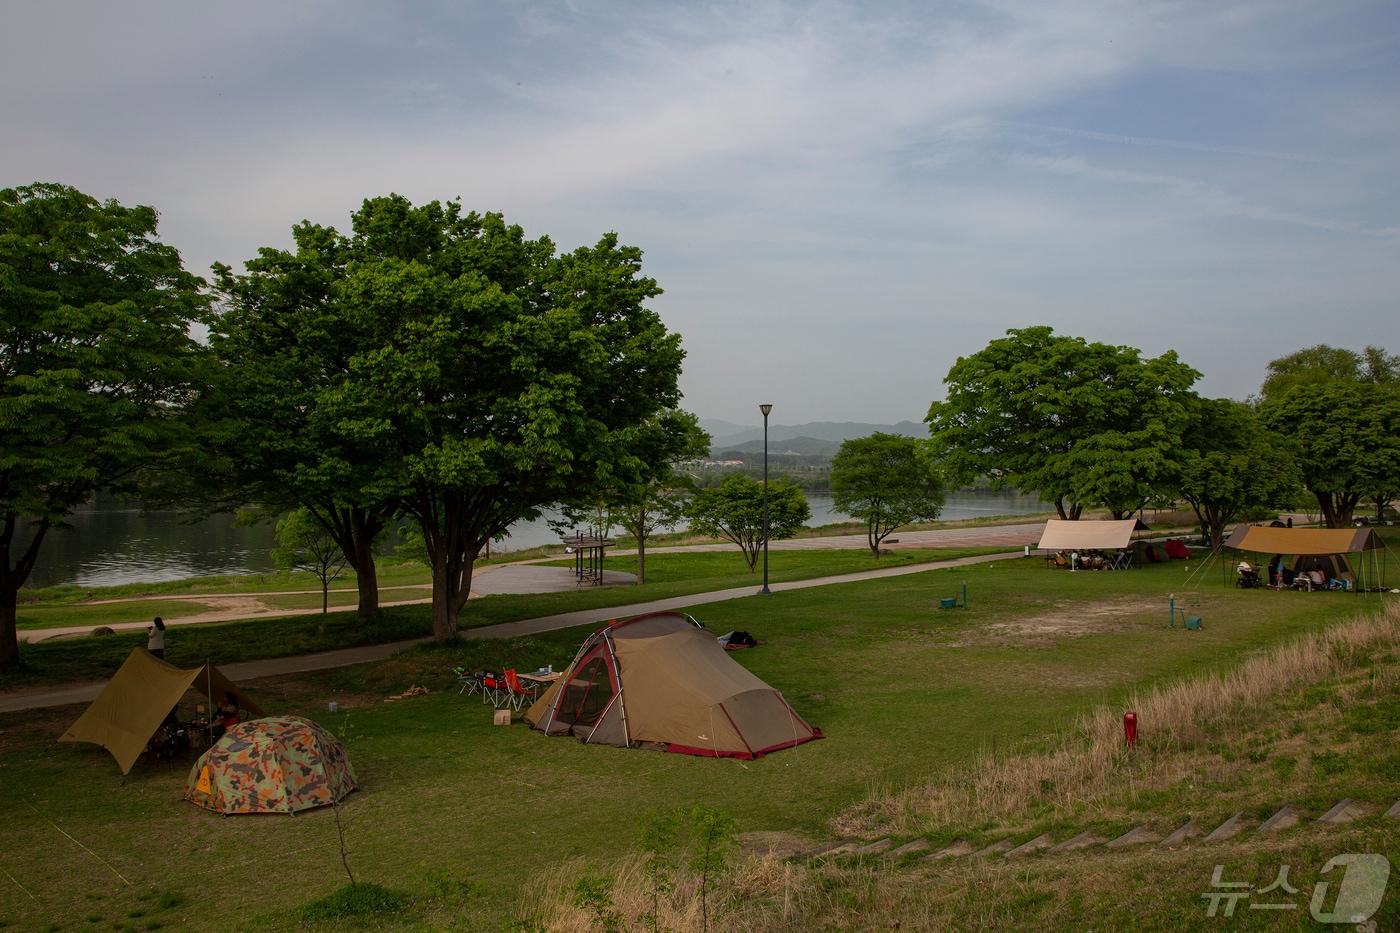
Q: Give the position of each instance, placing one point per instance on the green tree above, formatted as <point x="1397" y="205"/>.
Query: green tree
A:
<point x="1231" y="465"/>
<point x="660" y="502"/>
<point x="303" y="543"/>
<point x="286" y="341"/>
<point x="485" y="376"/>
<point x="1074" y="422"/>
<point x="886" y="481"/>
<point x="1322" y="364"/>
<point x="1346" y="440"/>
<point x="97" y="366"/>
<point x="734" y="510"/>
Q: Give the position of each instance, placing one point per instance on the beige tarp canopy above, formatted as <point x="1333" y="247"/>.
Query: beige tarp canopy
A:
<point x="1060" y="535"/>
<point x="1301" y="541"/>
<point x="137" y="699"/>
<point x="663" y="681"/>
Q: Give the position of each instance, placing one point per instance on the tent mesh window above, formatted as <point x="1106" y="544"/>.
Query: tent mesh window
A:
<point x="587" y="694"/>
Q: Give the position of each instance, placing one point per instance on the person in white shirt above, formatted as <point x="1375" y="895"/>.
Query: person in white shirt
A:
<point x="155" y="638"/>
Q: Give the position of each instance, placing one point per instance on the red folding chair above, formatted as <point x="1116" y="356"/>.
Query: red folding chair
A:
<point x="517" y="692"/>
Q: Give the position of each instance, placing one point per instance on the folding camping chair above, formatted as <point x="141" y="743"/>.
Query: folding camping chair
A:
<point x="1123" y="561"/>
<point x="493" y="689"/>
<point x="516" y="693"/>
<point x="470" y="681"/>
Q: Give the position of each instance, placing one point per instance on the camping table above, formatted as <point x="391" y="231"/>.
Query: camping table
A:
<point x="544" y="679"/>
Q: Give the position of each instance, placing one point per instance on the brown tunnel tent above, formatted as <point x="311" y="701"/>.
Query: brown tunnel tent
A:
<point x="1355" y="555"/>
<point x="662" y="681"/>
<point x="137" y="699"/>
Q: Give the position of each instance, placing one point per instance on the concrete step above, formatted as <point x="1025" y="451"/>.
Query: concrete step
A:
<point x="1043" y="841"/>
<point x="1138" y="835"/>
<point x="1344" y="812"/>
<point x="953" y="850"/>
<point x="996" y="848"/>
<point x="874" y="848"/>
<point x="1083" y="841"/>
<point x="1186" y="832"/>
<point x="1286" y="818"/>
<point x="909" y="848"/>
<point x="1230" y="828"/>
<point x="833" y="850"/>
<point x="1394" y="811"/>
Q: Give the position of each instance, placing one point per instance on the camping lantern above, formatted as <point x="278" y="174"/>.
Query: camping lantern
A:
<point x="1130" y="728"/>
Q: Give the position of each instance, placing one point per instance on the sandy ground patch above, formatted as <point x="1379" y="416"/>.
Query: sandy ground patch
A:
<point x="1075" y="620"/>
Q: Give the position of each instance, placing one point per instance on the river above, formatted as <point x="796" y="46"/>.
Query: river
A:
<point x="109" y="543"/>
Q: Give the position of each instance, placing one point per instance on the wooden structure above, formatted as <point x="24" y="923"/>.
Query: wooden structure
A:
<point x="588" y="551"/>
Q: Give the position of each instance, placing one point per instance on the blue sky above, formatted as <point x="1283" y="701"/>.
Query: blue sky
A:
<point x="839" y="199"/>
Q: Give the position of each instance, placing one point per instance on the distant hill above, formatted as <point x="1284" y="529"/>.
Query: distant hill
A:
<point x="725" y="435"/>
<point x="801" y="446"/>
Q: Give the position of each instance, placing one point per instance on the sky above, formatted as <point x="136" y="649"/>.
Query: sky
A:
<point x="839" y="199"/>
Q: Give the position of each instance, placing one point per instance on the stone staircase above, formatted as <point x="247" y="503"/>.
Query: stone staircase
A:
<point x="1285" y="818"/>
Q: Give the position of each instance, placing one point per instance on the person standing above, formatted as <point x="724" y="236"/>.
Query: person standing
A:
<point x="155" y="638"/>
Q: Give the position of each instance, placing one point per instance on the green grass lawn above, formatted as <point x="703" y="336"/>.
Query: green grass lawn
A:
<point x="450" y="802"/>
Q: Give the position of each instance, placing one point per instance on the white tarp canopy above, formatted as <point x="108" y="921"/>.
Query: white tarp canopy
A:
<point x="1060" y="535"/>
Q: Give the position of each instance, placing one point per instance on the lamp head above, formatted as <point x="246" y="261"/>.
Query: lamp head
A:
<point x="765" y="408"/>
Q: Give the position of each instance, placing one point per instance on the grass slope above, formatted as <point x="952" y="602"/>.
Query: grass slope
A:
<point x="457" y="812"/>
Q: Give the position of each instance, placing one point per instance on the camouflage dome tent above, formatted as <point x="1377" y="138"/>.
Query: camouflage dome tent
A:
<point x="662" y="681"/>
<point x="281" y="764"/>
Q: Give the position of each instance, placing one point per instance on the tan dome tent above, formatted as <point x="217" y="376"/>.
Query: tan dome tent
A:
<point x="660" y="680"/>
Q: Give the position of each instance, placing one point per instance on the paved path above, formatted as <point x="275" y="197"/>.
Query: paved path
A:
<point x="525" y="578"/>
<point x="277" y="667"/>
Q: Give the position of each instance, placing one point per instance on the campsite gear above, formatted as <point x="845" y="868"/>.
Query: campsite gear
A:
<point x="139" y="697"/>
<point x="1176" y="549"/>
<point x="731" y="641"/>
<point x="516" y="693"/>
<point x="661" y="680"/>
<point x="1323" y="549"/>
<point x="500" y="717"/>
<point x="281" y="764"/>
<point x="1190" y="623"/>
<point x="1084" y="535"/>
<point x="951" y="602"/>
<point x="1130" y="728"/>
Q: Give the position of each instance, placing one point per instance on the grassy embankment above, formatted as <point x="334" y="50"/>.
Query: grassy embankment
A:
<point x="458" y="813"/>
<point x="668" y="575"/>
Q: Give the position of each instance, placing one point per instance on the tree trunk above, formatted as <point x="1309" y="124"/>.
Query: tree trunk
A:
<point x="365" y="529"/>
<point x="1060" y="508"/>
<point x="325" y="596"/>
<point x="13" y="573"/>
<point x="9" y="637"/>
<point x="641" y="559"/>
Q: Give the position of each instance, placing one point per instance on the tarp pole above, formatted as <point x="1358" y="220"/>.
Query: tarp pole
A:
<point x="209" y="710"/>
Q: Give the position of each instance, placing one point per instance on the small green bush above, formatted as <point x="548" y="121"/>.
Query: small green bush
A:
<point x="362" y="899"/>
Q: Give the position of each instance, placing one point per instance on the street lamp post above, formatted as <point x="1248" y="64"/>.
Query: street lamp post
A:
<point x="765" y="408"/>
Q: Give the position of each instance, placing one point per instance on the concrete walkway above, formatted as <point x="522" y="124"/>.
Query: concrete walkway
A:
<point x="278" y="667"/>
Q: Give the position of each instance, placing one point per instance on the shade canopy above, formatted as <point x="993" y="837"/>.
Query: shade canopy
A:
<point x="1264" y="539"/>
<point x="137" y="699"/>
<point x="1061" y="535"/>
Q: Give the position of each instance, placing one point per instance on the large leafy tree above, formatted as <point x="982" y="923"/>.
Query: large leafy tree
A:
<point x="886" y="481"/>
<point x="1323" y="365"/>
<point x="734" y="510"/>
<point x="1232" y="465"/>
<point x="286" y="342"/>
<point x="1075" y="422"/>
<point x="96" y="364"/>
<point x="1346" y="439"/>
<point x="485" y="375"/>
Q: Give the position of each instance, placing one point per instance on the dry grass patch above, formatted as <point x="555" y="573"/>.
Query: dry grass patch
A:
<point x="1091" y="763"/>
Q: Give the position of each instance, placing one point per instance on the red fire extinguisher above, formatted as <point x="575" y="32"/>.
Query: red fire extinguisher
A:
<point x="1130" y="728"/>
